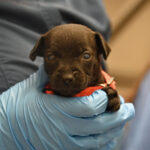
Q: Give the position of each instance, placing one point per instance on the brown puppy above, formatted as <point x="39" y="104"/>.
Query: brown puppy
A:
<point x="72" y="59"/>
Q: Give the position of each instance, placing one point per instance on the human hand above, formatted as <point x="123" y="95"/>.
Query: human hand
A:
<point x="32" y="120"/>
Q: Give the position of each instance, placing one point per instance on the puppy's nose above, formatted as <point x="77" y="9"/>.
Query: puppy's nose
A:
<point x="68" y="78"/>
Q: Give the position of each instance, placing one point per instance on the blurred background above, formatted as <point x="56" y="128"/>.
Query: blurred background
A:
<point x="130" y="42"/>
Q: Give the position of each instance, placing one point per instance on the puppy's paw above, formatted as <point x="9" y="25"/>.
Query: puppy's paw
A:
<point x="113" y="99"/>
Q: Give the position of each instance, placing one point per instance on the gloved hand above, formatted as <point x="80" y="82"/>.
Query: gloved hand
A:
<point x="32" y="120"/>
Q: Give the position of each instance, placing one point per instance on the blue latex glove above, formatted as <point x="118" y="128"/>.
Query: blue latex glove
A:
<point x="32" y="120"/>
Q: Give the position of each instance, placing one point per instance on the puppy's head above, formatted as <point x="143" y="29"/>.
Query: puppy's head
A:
<point x="71" y="55"/>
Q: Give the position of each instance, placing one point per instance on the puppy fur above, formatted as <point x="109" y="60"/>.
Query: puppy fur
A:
<point x="72" y="57"/>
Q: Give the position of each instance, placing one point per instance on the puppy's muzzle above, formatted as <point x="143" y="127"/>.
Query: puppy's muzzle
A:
<point x="68" y="78"/>
<point x="68" y="82"/>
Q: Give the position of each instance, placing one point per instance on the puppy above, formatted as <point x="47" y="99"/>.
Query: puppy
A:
<point x="72" y="57"/>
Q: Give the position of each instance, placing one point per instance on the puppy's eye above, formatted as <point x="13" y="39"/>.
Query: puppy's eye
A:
<point x="86" y="55"/>
<point x="51" y="56"/>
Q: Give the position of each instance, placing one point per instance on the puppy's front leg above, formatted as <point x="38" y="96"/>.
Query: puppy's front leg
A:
<point x="113" y="99"/>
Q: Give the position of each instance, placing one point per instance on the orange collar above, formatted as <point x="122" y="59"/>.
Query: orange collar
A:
<point x="109" y="81"/>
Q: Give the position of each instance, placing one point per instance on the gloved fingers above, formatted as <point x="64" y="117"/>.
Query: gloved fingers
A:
<point x="109" y="146"/>
<point x="87" y="106"/>
<point x="98" y="124"/>
<point x="110" y="134"/>
<point x="96" y="141"/>
<point x="85" y="142"/>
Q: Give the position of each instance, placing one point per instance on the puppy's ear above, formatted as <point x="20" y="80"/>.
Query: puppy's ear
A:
<point x="38" y="49"/>
<point x="102" y="45"/>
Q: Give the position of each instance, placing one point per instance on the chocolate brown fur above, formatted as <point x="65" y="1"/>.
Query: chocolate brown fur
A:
<point x="72" y="57"/>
